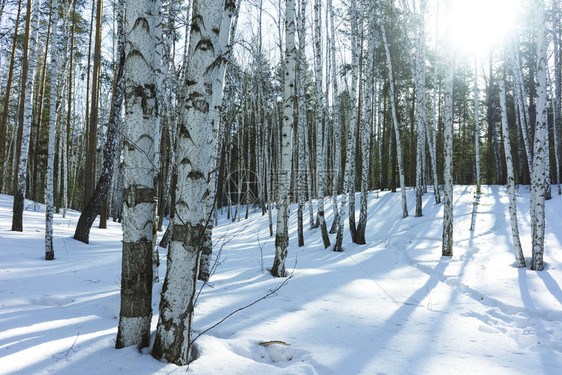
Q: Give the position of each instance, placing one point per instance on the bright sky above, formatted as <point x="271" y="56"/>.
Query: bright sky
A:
<point x="475" y="26"/>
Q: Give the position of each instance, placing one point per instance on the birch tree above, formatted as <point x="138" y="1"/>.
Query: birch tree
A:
<point x="510" y="180"/>
<point x="53" y="72"/>
<point x="219" y="68"/>
<point x="368" y="96"/>
<point x="287" y="125"/>
<point x="420" y="104"/>
<point x="539" y="173"/>
<point x="335" y="113"/>
<point x="320" y="141"/>
<point x="300" y="142"/>
<point x="4" y="154"/>
<point x="142" y="64"/>
<point x="476" y="127"/>
<point x="433" y="138"/>
<point x="28" y="70"/>
<point x="194" y="146"/>
<point x="447" y="245"/>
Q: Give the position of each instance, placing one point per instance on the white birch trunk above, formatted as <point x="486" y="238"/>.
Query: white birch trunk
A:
<point x="433" y="143"/>
<point x="477" y="127"/>
<point x="420" y="104"/>
<point x="510" y="181"/>
<point x="300" y="144"/>
<point x="557" y="88"/>
<point x="142" y="66"/>
<point x="539" y="173"/>
<point x="320" y="155"/>
<point x="447" y="246"/>
<point x="19" y="194"/>
<point x="282" y="231"/>
<point x="53" y="72"/>
<point x="335" y="113"/>
<point x="368" y="97"/>
<point x="554" y="128"/>
<point x="219" y="69"/>
<point x="194" y="147"/>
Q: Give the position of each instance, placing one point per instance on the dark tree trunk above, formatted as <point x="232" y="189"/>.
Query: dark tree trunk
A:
<point x="82" y="232"/>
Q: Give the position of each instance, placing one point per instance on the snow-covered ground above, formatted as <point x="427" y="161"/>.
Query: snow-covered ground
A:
<point x="393" y="306"/>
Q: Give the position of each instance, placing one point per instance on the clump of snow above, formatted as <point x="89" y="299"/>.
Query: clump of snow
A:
<point x="392" y="306"/>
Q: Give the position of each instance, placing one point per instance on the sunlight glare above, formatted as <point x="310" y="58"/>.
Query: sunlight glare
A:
<point x="476" y="26"/>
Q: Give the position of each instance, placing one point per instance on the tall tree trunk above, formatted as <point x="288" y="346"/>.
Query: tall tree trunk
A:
<point x="519" y="95"/>
<point x="302" y="123"/>
<point x="69" y="109"/>
<point x="336" y="118"/>
<point x="53" y="72"/>
<point x="194" y="147"/>
<point x="320" y="141"/>
<point x="491" y="117"/>
<point x="433" y="143"/>
<point x="224" y="52"/>
<point x="447" y="246"/>
<point x="93" y="118"/>
<point x="477" y="127"/>
<point x="94" y="205"/>
<point x="539" y="173"/>
<point x="510" y="180"/>
<point x="28" y="72"/>
<point x="557" y="87"/>
<point x="368" y="98"/>
<point x="4" y="123"/>
<point x="420" y="105"/>
<point x="395" y="123"/>
<point x="287" y="125"/>
<point x="142" y="64"/>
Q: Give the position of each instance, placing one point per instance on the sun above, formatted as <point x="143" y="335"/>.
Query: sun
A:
<point x="476" y="26"/>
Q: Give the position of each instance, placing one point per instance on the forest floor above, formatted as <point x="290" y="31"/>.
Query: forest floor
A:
<point x="392" y="306"/>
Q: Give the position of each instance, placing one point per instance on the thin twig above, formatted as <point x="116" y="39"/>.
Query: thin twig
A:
<point x="269" y="294"/>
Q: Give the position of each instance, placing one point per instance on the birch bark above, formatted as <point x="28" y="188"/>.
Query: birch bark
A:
<point x="194" y="146"/>
<point x="320" y="141"/>
<point x="368" y="97"/>
<point x="477" y="127"/>
<point x="19" y="194"/>
<point x="142" y="64"/>
<point x="53" y="72"/>
<point x="433" y="138"/>
<point x="219" y="69"/>
<point x="447" y="246"/>
<point x="510" y="180"/>
<point x="301" y="119"/>
<point x="539" y="173"/>
<point x="335" y="113"/>
<point x="282" y="234"/>
<point x="420" y="104"/>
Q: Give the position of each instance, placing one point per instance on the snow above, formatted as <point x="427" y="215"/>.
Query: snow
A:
<point x="393" y="306"/>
